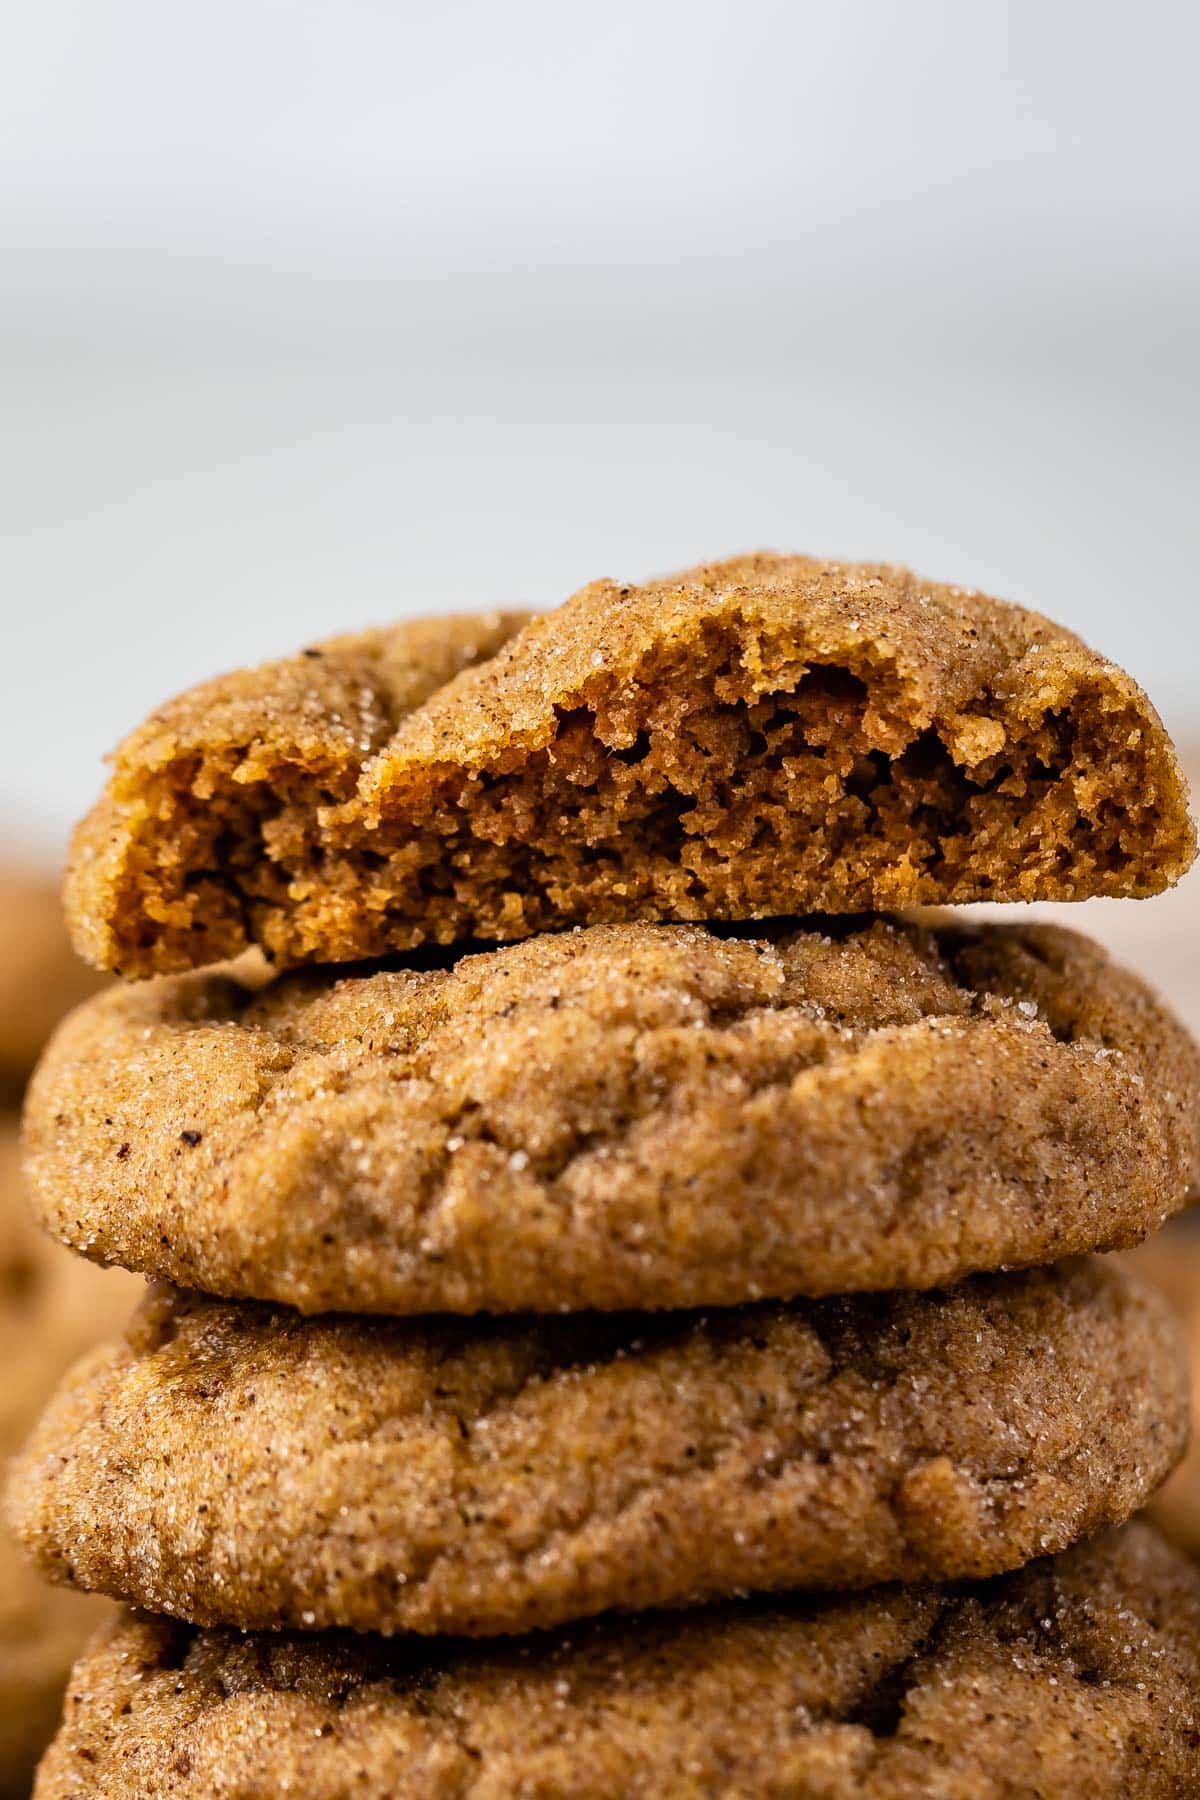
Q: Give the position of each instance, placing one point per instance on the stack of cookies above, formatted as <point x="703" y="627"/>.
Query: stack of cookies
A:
<point x="588" y="1226"/>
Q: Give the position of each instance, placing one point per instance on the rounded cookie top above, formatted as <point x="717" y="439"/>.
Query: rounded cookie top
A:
<point x="625" y="1116"/>
<point x="237" y="1465"/>
<point x="766" y="735"/>
<point x="1078" y="1677"/>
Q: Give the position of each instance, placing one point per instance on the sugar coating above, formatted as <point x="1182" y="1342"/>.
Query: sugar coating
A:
<point x="623" y="1116"/>
<point x="1079" y="1677"/>
<point x="239" y="1465"/>
<point x="766" y="735"/>
<point x="51" y="1307"/>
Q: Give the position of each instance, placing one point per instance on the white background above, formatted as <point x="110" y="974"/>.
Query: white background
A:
<point x="315" y="314"/>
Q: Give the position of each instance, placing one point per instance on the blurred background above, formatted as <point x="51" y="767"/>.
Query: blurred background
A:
<point x="316" y="313"/>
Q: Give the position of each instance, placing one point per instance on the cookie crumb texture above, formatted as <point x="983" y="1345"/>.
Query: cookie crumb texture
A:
<point x="626" y="1116"/>
<point x="1080" y="1677"/>
<point x="238" y="1465"/>
<point x="761" y="736"/>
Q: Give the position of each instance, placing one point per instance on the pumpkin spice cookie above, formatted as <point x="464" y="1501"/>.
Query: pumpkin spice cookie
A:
<point x="240" y="1465"/>
<point x="1079" y="1679"/>
<point x="626" y="1116"/>
<point x="52" y="1307"/>
<point x="762" y="736"/>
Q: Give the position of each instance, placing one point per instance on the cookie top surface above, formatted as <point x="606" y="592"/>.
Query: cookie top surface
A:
<point x="240" y="1465"/>
<point x="625" y="1116"/>
<point x="1172" y="1262"/>
<point x="41" y="978"/>
<point x="767" y="735"/>
<point x="1078" y="1677"/>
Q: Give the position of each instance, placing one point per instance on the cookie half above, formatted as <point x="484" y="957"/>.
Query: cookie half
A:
<point x="1078" y="1677"/>
<point x="767" y="735"/>
<point x="238" y="1465"/>
<point x="627" y="1116"/>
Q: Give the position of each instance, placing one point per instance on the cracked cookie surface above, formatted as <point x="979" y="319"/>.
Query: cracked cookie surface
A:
<point x="1079" y="1677"/>
<point x="240" y="1465"/>
<point x="766" y="735"/>
<point x="625" y="1116"/>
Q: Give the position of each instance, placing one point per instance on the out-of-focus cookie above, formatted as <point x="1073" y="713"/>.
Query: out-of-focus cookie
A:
<point x="1079" y="1678"/>
<point x="52" y="1306"/>
<point x="647" y="1116"/>
<point x="766" y="735"/>
<point x="41" y="978"/>
<point x="1172" y="1262"/>
<point x="42" y="1631"/>
<point x="237" y="1465"/>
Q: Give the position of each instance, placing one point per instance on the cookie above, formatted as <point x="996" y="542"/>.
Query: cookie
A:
<point x="767" y="735"/>
<point x="1078" y="1677"/>
<point x="41" y="978"/>
<point x="238" y="1465"/>
<point x="625" y="1116"/>
<point x="51" y="1307"/>
<point x="1172" y="1263"/>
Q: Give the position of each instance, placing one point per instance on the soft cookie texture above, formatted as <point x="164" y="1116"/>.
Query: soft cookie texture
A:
<point x="51" y="1307"/>
<point x="238" y="1465"/>
<point x="1078" y="1679"/>
<point x="627" y="1116"/>
<point x="767" y="735"/>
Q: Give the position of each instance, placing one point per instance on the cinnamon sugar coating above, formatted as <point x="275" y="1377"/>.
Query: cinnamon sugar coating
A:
<point x="1078" y="1679"/>
<point x="766" y="735"/>
<point x="626" y="1116"/>
<point x="239" y="1465"/>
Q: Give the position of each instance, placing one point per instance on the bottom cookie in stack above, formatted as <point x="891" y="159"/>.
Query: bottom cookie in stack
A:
<point x="1079" y="1675"/>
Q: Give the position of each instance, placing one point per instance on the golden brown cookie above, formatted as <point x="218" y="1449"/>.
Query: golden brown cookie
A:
<point x="767" y="735"/>
<point x="628" y="1116"/>
<point x="1079" y="1677"/>
<point x="238" y="1465"/>
<point x="1172" y="1262"/>
<point x="52" y="1306"/>
<point x="41" y="978"/>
